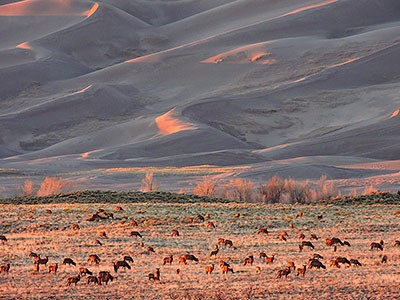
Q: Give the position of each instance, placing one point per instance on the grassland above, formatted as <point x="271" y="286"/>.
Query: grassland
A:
<point x="30" y="226"/>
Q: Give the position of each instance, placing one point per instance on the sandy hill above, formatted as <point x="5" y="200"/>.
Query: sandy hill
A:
<point x="98" y="84"/>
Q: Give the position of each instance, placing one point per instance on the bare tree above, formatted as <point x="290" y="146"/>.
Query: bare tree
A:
<point x="298" y="191"/>
<point x="207" y="187"/>
<point x="240" y="189"/>
<point x="148" y="183"/>
<point x="52" y="186"/>
<point x="28" y="189"/>
<point x="272" y="191"/>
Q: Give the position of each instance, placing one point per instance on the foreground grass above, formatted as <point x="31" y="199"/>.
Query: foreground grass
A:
<point x="30" y="228"/>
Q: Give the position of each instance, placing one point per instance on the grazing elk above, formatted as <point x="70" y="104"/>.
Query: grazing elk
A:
<point x="317" y="256"/>
<point x="175" y="232"/>
<point x="343" y="260"/>
<point x="225" y="269"/>
<point x="306" y="244"/>
<point x="215" y="251"/>
<point x="156" y="275"/>
<point x="105" y="276"/>
<point x="301" y="270"/>
<point x="168" y="260"/>
<point x="263" y="230"/>
<point x="127" y="258"/>
<point x="302" y="236"/>
<point x="68" y="261"/>
<point x="210" y="225"/>
<point x="3" y="239"/>
<point x="291" y="265"/>
<point x="149" y="250"/>
<point x="93" y="279"/>
<point x="333" y="241"/>
<point x="182" y="260"/>
<point x="84" y="271"/>
<point x="191" y="257"/>
<point x="315" y="263"/>
<point x="97" y="242"/>
<point x="283" y="272"/>
<point x="5" y="268"/>
<point x="355" y="262"/>
<point x="249" y="260"/>
<point x="136" y="233"/>
<point x="103" y="234"/>
<point x="209" y="269"/>
<point x="378" y="246"/>
<point x="53" y="268"/>
<point x="93" y="258"/>
<point x="384" y="259"/>
<point x="263" y="255"/>
<point x="73" y="279"/>
<point x="120" y="264"/>
<point x="269" y="260"/>
<point x="333" y="263"/>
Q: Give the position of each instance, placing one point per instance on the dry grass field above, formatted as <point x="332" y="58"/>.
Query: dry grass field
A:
<point x="47" y="230"/>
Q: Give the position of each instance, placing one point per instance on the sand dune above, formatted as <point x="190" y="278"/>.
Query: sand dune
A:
<point x="294" y="88"/>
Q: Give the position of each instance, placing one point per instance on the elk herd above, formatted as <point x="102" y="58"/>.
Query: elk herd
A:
<point x="222" y="244"/>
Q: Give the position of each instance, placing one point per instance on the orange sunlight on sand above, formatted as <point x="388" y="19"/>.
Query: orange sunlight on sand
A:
<point x="301" y="9"/>
<point x="168" y="123"/>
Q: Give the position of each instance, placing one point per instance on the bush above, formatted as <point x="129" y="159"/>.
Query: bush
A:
<point x="148" y="183"/>
<point x="272" y="191"/>
<point x="52" y="186"/>
<point x="207" y="187"/>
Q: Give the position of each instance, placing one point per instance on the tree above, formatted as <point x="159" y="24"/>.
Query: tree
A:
<point x="148" y="183"/>
<point x="207" y="187"/>
<point x="240" y="189"/>
<point x="52" y="186"/>
<point x="272" y="191"/>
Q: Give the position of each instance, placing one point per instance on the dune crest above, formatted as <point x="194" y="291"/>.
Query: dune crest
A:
<point x="395" y="113"/>
<point x="25" y="46"/>
<point x="168" y="123"/>
<point x="305" y="8"/>
<point x="91" y="11"/>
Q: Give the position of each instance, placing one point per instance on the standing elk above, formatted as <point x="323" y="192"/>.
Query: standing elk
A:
<point x="3" y="239"/>
<point x="53" y="268"/>
<point x="105" y="276"/>
<point x="136" y="234"/>
<point x="301" y="270"/>
<point x="127" y="258"/>
<point x="283" y="272"/>
<point x="175" y="232"/>
<point x="209" y="269"/>
<point x="84" y="271"/>
<point x="93" y="258"/>
<point x="378" y="246"/>
<point x="73" y="279"/>
<point x="315" y="263"/>
<point x="210" y="225"/>
<point x="343" y="260"/>
<point x="68" y="261"/>
<point x="225" y="269"/>
<point x="215" y="251"/>
<point x="263" y="230"/>
<point x="333" y="263"/>
<point x="5" y="268"/>
<point x="269" y="259"/>
<point x="121" y="264"/>
<point x="93" y="279"/>
<point x="156" y="275"/>
<point x="291" y="265"/>
<point x="249" y="260"/>
<point x="168" y="260"/>
<point x="384" y="259"/>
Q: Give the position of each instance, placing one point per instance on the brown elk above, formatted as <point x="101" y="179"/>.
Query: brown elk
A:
<point x="191" y="257"/>
<point x="306" y="244"/>
<point x="168" y="260"/>
<point x="263" y="255"/>
<point x="136" y="233"/>
<point x="313" y="237"/>
<point x="317" y="256"/>
<point x="225" y="269"/>
<point x="93" y="279"/>
<point x="258" y="270"/>
<point x="200" y="218"/>
<point x="269" y="260"/>
<point x="97" y="242"/>
<point x="225" y="242"/>
<point x="182" y="260"/>
<point x="121" y="264"/>
<point x="396" y="243"/>
<point x="333" y="241"/>
<point x="68" y="261"/>
<point x="84" y="271"/>
<point x="134" y="223"/>
<point x="210" y="225"/>
<point x="215" y="251"/>
<point x="105" y="276"/>
<point x="41" y="261"/>
<point x="175" y="232"/>
<point x="73" y="279"/>
<point x="223" y="263"/>
<point x="343" y="260"/>
<point x="150" y="250"/>
<point x="249" y="260"/>
<point x="301" y="271"/>
<point x="48" y="211"/>
<point x="3" y="239"/>
<point x="209" y="269"/>
<point x="333" y="263"/>
<point x="355" y="262"/>
<point x="315" y="263"/>
<point x="53" y="268"/>
<point x="128" y="258"/>
<point x="263" y="230"/>
<point x="319" y="217"/>
<point x="378" y="246"/>
<point x="299" y="214"/>
<point x="119" y="208"/>
<point x="236" y="215"/>
<point x="156" y="275"/>
<point x="103" y="234"/>
<point x="93" y="258"/>
<point x="5" y="268"/>
<point x="283" y="272"/>
<point x="302" y="236"/>
<point x="291" y="265"/>
<point x="384" y="259"/>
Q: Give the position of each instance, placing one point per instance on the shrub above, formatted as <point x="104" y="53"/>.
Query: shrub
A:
<point x="271" y="192"/>
<point x="28" y="189"/>
<point x="52" y="186"/>
<point x="148" y="183"/>
<point x="240" y="189"/>
<point x="207" y="187"/>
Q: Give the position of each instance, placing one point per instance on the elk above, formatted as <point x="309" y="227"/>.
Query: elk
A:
<point x="333" y="263"/>
<point x="283" y="272"/>
<point x="302" y="236"/>
<point x="41" y="261"/>
<point x="128" y="258"/>
<point x="53" y="268"/>
<point x="333" y="241"/>
<point x="73" y="279"/>
<point x="119" y="208"/>
<point x="355" y="262"/>
<point x="5" y="268"/>
<point x="121" y="264"/>
<point x="223" y="263"/>
<point x="105" y="276"/>
<point x="150" y="250"/>
<point x="48" y="211"/>
<point x="103" y="234"/>
<point x="168" y="260"/>
<point x="182" y="260"/>
<point x="301" y="271"/>
<point x="258" y="270"/>
<point x="134" y="223"/>
<point x="319" y="217"/>
<point x="343" y="260"/>
<point x="299" y="214"/>
<point x="93" y="258"/>
<point x="249" y="260"/>
<point x="315" y="263"/>
<point x="215" y="251"/>
<point x="84" y="271"/>
<point x="207" y="216"/>
<point x="237" y="215"/>
<point x="68" y="261"/>
<point x="313" y="237"/>
<point x="209" y="269"/>
<point x="93" y="279"/>
<point x="156" y="275"/>
<point x="263" y="255"/>
<point x="384" y="259"/>
<point x="175" y="232"/>
<point x="396" y="243"/>
<point x="191" y="257"/>
<point x="317" y="256"/>
<point x="291" y="265"/>
<point x="200" y="218"/>
<point x="306" y="244"/>
<point x="263" y="230"/>
<point x="210" y="225"/>
<point x="225" y="269"/>
<point x="378" y="246"/>
<point x="269" y="260"/>
<point x="283" y="236"/>
<point x="225" y="242"/>
<point x="135" y="233"/>
<point x="3" y="239"/>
